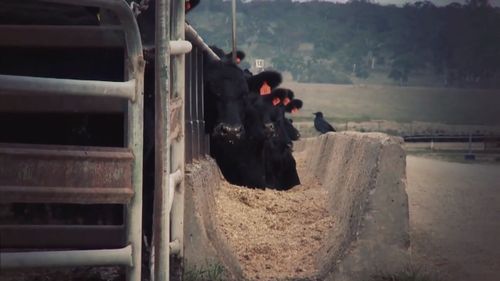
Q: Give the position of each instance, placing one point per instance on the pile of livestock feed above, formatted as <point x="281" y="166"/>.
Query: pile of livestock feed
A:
<point x="275" y="234"/>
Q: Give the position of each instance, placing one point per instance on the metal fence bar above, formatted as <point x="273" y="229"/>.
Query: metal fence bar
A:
<point x="161" y="217"/>
<point x="189" y="107"/>
<point x="449" y="138"/>
<point x="134" y="71"/>
<point x="179" y="47"/>
<point x="194" y="103"/>
<point x="177" y="145"/>
<point x="68" y="195"/>
<point x="196" y="40"/>
<point x="11" y="84"/>
<point x="204" y="139"/>
<point x="121" y="256"/>
<point x="201" y="141"/>
<point x="130" y="255"/>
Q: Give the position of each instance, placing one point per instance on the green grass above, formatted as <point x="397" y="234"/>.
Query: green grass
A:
<point x="210" y="272"/>
<point x="409" y="273"/>
<point x="341" y="103"/>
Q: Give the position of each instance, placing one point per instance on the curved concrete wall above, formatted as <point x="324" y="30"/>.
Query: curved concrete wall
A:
<point x="364" y="174"/>
<point x="204" y="244"/>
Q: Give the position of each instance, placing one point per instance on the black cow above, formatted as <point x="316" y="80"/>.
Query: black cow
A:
<point x="257" y="154"/>
<point x="292" y="107"/>
<point x="281" y="170"/>
<point x="291" y="131"/>
<point x="225" y="93"/>
<point x="240" y="55"/>
<point x="234" y="124"/>
<point x="280" y="166"/>
<point x="264" y="82"/>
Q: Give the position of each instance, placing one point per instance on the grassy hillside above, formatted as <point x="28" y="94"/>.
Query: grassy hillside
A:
<point x="342" y="103"/>
<point x="362" y="42"/>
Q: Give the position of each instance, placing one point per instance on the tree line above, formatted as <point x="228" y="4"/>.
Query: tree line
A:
<point x="338" y="42"/>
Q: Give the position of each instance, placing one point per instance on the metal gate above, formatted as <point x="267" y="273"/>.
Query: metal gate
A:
<point x="179" y="138"/>
<point x="197" y="141"/>
<point x="180" y="135"/>
<point x="45" y="165"/>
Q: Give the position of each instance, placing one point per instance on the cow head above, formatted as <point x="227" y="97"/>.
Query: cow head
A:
<point x="294" y="106"/>
<point x="267" y="78"/>
<point x="225" y="92"/>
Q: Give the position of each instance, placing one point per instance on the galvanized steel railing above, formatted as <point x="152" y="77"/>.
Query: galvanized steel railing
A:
<point x="131" y="89"/>
<point x="180" y="134"/>
<point x="197" y="142"/>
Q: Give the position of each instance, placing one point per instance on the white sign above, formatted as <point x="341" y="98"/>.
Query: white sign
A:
<point x="259" y="63"/>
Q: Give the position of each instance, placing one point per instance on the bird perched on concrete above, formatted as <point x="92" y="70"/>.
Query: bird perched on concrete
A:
<point x="321" y="124"/>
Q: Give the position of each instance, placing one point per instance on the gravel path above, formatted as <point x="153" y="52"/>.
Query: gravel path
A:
<point x="455" y="217"/>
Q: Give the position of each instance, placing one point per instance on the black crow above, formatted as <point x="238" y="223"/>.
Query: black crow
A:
<point x="321" y="125"/>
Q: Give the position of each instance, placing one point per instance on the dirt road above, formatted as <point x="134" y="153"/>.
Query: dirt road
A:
<point x="455" y="218"/>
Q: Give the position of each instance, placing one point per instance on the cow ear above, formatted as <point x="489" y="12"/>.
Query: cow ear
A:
<point x="294" y="104"/>
<point x="218" y="51"/>
<point x="190" y="4"/>
<point x="241" y="55"/>
<point x="279" y="93"/>
<point x="297" y="103"/>
<point x="272" y="78"/>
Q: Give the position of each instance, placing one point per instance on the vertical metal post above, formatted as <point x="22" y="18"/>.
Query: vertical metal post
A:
<point x="189" y="116"/>
<point x="134" y="131"/>
<point x="233" y="14"/>
<point x="161" y="219"/>
<point x="134" y="208"/>
<point x="205" y="140"/>
<point x="196" y="100"/>
<point x="177" y="145"/>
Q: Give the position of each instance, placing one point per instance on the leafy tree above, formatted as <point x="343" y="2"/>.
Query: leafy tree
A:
<point x="460" y="43"/>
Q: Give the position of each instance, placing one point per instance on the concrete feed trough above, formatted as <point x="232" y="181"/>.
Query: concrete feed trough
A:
<point x="347" y="221"/>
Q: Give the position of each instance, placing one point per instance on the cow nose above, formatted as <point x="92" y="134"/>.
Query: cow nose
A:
<point x="230" y="131"/>
<point x="269" y="128"/>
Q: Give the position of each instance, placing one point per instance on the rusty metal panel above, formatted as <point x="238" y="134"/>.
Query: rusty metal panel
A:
<point x="62" y="236"/>
<point x="80" y="195"/>
<point x="65" y="166"/>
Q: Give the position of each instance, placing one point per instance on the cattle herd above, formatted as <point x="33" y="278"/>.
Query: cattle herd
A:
<point x="250" y="136"/>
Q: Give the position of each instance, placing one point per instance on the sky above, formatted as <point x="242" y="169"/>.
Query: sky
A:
<point x="435" y="2"/>
<point x="402" y="2"/>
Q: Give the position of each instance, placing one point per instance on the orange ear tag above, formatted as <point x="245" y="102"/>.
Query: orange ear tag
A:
<point x="286" y="101"/>
<point x="276" y="101"/>
<point x="265" y="89"/>
<point x="295" y="110"/>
